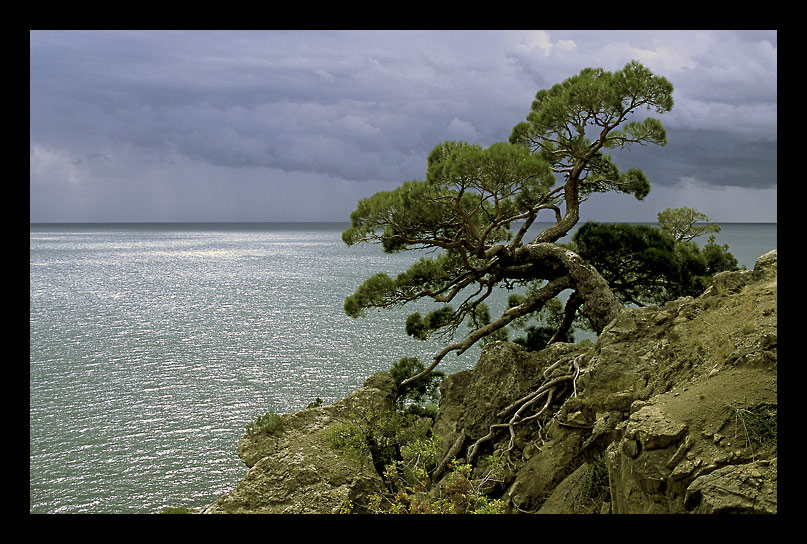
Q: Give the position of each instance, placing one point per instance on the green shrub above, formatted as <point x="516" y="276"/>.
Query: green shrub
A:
<point x="409" y="454"/>
<point x="350" y="439"/>
<point x="378" y="435"/>
<point x="457" y="493"/>
<point x="269" y="423"/>
<point x="596" y="484"/>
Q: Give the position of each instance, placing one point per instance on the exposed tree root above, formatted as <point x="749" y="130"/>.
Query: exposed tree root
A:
<point x="553" y="386"/>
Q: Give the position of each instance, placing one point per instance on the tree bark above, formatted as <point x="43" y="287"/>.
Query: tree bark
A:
<point x="550" y="261"/>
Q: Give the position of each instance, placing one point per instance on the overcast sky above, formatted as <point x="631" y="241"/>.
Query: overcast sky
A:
<point x="299" y="125"/>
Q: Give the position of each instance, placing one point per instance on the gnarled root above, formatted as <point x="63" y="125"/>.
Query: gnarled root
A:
<point x="551" y="389"/>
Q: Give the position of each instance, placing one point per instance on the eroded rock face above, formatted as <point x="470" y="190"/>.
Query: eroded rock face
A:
<point x="681" y="436"/>
<point x="748" y="488"/>
<point x="684" y="438"/>
<point x="504" y="373"/>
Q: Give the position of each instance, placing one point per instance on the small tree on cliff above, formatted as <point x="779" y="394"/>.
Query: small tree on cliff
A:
<point x="477" y="204"/>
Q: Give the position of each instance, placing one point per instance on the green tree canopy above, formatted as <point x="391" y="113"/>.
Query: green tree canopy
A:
<point x="476" y="205"/>
<point x="424" y="389"/>
<point x="637" y="261"/>
<point x="644" y="264"/>
<point x="682" y="223"/>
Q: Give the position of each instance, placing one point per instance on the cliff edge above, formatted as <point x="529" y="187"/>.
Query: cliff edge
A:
<point x="673" y="411"/>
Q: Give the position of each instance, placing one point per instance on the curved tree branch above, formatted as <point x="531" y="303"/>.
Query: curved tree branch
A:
<point x="532" y="303"/>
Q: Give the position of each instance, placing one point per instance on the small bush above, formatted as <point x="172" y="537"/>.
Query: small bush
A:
<point x="350" y="439"/>
<point x="404" y="452"/>
<point x="269" y="423"/>
<point x="596" y="485"/>
<point x="458" y="493"/>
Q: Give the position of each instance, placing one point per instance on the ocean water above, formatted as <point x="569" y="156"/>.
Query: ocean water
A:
<point x="153" y="345"/>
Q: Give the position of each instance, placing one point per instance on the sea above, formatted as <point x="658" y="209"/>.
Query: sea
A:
<point x="152" y="346"/>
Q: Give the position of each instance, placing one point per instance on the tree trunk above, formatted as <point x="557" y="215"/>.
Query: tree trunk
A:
<point x="564" y="269"/>
<point x="550" y="261"/>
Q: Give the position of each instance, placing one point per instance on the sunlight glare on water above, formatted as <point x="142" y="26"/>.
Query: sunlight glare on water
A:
<point x="151" y="349"/>
<point x="152" y="346"/>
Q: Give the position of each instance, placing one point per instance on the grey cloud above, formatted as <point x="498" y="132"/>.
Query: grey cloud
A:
<point x="369" y="106"/>
<point x="312" y="109"/>
<point x="710" y="157"/>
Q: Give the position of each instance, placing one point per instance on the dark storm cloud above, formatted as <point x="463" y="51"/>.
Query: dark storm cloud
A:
<point x="715" y="158"/>
<point x="721" y="159"/>
<point x="324" y="102"/>
<point x="362" y="107"/>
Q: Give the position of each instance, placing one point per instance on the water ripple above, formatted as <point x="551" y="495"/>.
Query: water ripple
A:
<point x="151" y="349"/>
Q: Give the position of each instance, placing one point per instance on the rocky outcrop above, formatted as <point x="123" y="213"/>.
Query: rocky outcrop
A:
<point x="668" y="389"/>
<point x="470" y="401"/>
<point x="296" y="471"/>
<point x="661" y="408"/>
<point x="689" y="425"/>
<point x="733" y="489"/>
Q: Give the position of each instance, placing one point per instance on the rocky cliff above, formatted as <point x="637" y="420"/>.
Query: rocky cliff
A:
<point x="673" y="410"/>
